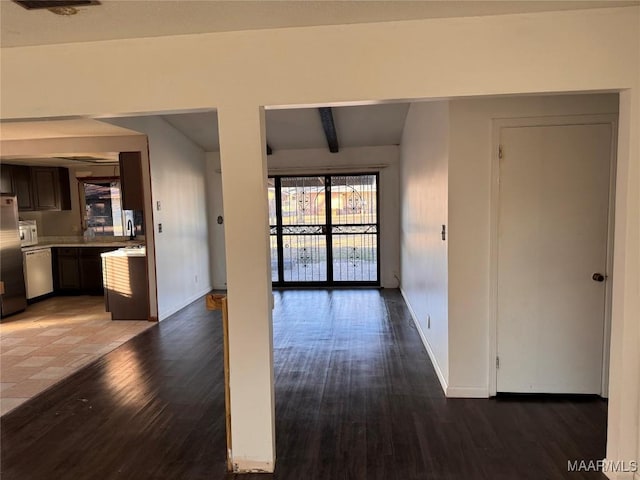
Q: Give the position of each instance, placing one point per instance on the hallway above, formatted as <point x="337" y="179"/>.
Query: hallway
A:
<point x="356" y="398"/>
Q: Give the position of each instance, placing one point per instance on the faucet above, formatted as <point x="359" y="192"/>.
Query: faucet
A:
<point x="130" y="229"/>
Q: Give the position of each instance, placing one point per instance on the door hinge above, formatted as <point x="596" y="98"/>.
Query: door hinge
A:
<point x="500" y="152"/>
<point x="497" y="362"/>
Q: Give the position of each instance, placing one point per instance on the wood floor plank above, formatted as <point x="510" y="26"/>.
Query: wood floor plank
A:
<point x="356" y="398"/>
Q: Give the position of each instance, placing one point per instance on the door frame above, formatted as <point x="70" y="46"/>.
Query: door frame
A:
<point x="497" y="126"/>
<point x="330" y="282"/>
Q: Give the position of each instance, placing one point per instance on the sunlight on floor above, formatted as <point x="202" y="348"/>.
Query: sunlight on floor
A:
<point x="53" y="339"/>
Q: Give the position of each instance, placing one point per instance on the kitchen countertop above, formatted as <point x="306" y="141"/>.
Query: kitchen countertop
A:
<point x="80" y="243"/>
<point x="126" y="252"/>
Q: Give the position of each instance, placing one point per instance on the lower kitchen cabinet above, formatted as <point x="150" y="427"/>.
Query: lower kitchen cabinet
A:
<point x="91" y="269"/>
<point x="68" y="271"/>
<point x="79" y="270"/>
<point x="126" y="287"/>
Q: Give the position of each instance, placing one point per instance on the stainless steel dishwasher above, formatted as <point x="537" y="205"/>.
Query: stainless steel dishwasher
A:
<point x="38" y="275"/>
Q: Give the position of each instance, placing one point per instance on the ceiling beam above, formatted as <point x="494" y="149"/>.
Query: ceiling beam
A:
<point x="326" y="116"/>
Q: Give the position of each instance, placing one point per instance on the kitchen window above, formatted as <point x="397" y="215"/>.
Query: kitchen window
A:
<point x="102" y="212"/>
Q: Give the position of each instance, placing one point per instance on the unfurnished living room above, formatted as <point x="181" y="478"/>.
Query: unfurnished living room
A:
<point x="360" y="240"/>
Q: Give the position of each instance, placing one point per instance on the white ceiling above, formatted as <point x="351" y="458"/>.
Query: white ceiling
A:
<point x="115" y="19"/>
<point x="357" y="126"/>
<point x="78" y="127"/>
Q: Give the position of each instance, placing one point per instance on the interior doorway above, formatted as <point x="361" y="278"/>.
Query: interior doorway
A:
<point x="324" y="230"/>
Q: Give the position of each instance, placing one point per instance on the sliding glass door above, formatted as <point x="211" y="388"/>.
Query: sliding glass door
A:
<point x="324" y="230"/>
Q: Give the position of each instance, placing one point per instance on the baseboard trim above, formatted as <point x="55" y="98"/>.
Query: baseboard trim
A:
<point x="425" y="342"/>
<point x="467" y="392"/>
<point x="244" y="465"/>
<point x="191" y="299"/>
<point x="219" y="287"/>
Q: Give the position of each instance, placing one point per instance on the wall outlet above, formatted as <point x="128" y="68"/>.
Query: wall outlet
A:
<point x="159" y="228"/>
<point x="428" y="321"/>
<point x="158" y="205"/>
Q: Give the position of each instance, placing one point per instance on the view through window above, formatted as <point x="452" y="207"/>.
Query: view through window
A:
<point x="103" y="212"/>
<point x="103" y="215"/>
<point x="324" y="229"/>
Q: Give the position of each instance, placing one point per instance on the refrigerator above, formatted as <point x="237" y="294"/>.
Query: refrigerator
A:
<point x="13" y="296"/>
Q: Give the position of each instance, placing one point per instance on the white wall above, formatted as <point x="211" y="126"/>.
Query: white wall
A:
<point x="469" y="218"/>
<point x="424" y="193"/>
<point x="217" y="250"/>
<point x="447" y="152"/>
<point x="239" y="72"/>
<point x="178" y="182"/>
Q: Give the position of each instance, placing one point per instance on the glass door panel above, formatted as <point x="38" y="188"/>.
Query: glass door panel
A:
<point x="272" y="195"/>
<point x="303" y="201"/>
<point x="354" y="220"/>
<point x="324" y="239"/>
<point x="305" y="258"/>
<point x="303" y="229"/>
<point x="355" y="257"/>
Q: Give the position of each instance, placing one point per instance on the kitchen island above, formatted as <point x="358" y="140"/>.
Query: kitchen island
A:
<point x="126" y="292"/>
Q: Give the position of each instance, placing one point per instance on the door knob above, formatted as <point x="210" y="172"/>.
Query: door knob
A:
<point x="598" y="277"/>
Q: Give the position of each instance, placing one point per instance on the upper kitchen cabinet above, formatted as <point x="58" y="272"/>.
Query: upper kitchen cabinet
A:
<point x="5" y="179"/>
<point x="16" y="180"/>
<point x="22" y="187"/>
<point x="50" y="188"/>
<point x="131" y="181"/>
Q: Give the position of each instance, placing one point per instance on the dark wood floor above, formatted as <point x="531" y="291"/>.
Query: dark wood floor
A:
<point x="356" y="398"/>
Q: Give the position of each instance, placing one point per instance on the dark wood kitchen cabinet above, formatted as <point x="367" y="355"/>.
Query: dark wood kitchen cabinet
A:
<point x="5" y="179"/>
<point x="37" y="188"/>
<point x="51" y="190"/>
<point x="22" y="187"/>
<point x="131" y="181"/>
<point x="90" y="264"/>
<point x="16" y="180"/>
<point x="79" y="270"/>
<point x="126" y="287"/>
<point x="68" y="271"/>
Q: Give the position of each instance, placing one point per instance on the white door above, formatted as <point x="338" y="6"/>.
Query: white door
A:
<point x="552" y="239"/>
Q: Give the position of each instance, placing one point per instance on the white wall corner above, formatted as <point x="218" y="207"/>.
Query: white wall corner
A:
<point x="425" y="342"/>
<point x="247" y="465"/>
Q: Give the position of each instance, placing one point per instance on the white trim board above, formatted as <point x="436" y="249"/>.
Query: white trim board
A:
<point x="187" y="302"/>
<point x="467" y="392"/>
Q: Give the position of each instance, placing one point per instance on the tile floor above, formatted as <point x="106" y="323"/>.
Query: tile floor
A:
<point x="53" y="339"/>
